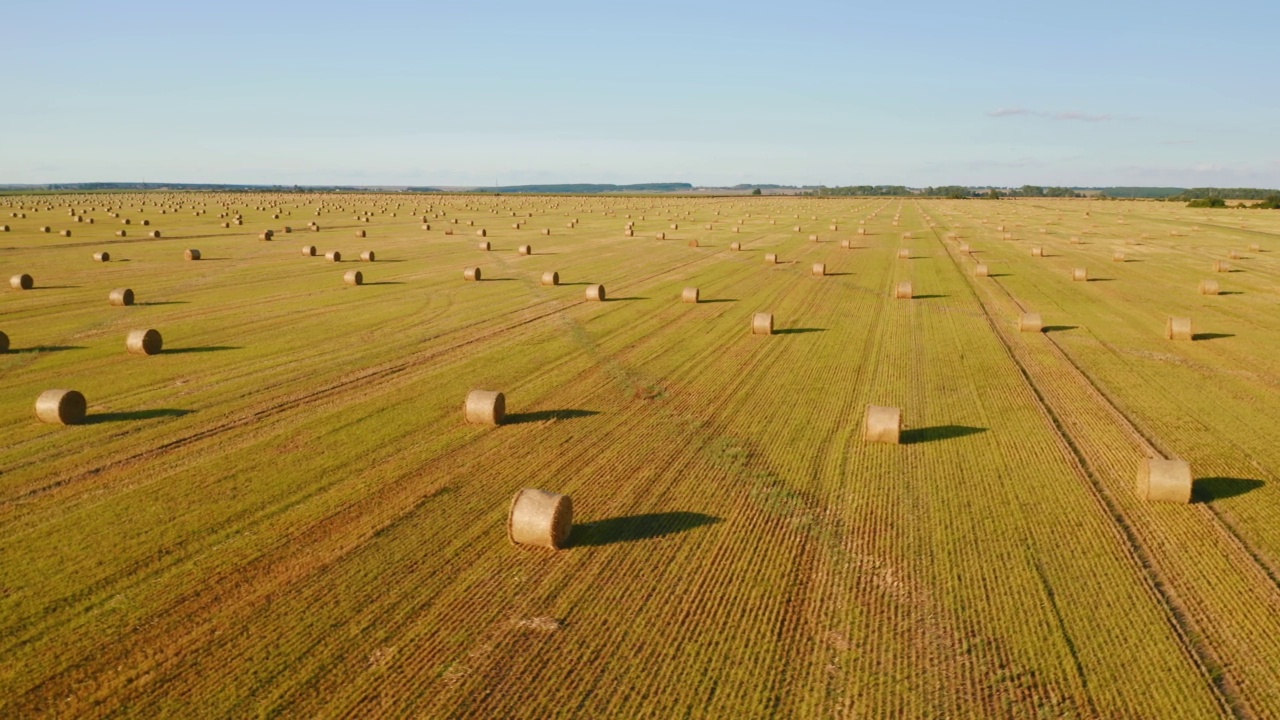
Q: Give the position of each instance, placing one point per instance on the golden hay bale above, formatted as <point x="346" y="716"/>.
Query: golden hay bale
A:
<point x="540" y="519"/>
<point x="845" y="244"/>
<point x="813" y="238"/>
<point x="1209" y="287"/>
<point x="471" y="273"/>
<point x="1118" y="256"/>
<point x="368" y="256"/>
<point x="906" y="235"/>
<point x="102" y="256"/>
<point x="882" y="424"/>
<point x="361" y="233"/>
<point x="353" y="277"/>
<point x="4" y="228"/>
<point x="904" y="254"/>
<point x="862" y="231"/>
<point x="121" y="233"/>
<point x="708" y="226"/>
<point x="225" y="225"/>
<point x="333" y="256"/>
<point x="287" y="229"/>
<point x="315" y="228"/>
<point x="144" y="342"/>
<point x="595" y="292"/>
<point x="980" y="270"/>
<point x="120" y="297"/>
<point x="1037" y="251"/>
<point x="266" y="235"/>
<point x="902" y="291"/>
<point x="1178" y="328"/>
<point x="308" y="251"/>
<point x="1234" y="255"/>
<point x="484" y="407"/>
<point x="551" y="277"/>
<point x="426" y="226"/>
<point x="661" y="236"/>
<point x="1164" y="480"/>
<point x="191" y="254"/>
<point x="525" y="250"/>
<point x="125" y="221"/>
<point x="1221" y="266"/>
<point x="797" y="228"/>
<point x="693" y="243"/>
<point x="1255" y="247"/>
<point x="770" y="258"/>
<point x="546" y="231"/>
<point x="964" y="248"/>
<point x="21" y="282"/>
<point x="61" y="407"/>
<point x="762" y="324"/>
<point x="484" y="245"/>
<point x="146" y="222"/>
<point x="835" y="228"/>
<point x="689" y="295"/>
<point x="1000" y="228"/>
<point x="1030" y="322"/>
<point x="735" y="246"/>
<point x="154" y="234"/>
<point x="64" y="233"/>
<point x="4" y="343"/>
<point x="675" y="226"/>
<point x="1008" y="236"/>
<point x="1080" y="275"/>
<point x="819" y="269"/>
<point x="482" y="233"/>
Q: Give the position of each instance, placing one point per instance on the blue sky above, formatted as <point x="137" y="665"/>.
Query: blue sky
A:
<point x="713" y="93"/>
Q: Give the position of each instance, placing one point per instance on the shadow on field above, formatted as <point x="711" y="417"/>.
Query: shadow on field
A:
<point x="577" y="283"/>
<point x="56" y="287"/>
<point x="637" y="527"/>
<point x="385" y="282"/>
<point x="798" y="331"/>
<point x="1210" y="336"/>
<point x="202" y="349"/>
<point x="163" y="302"/>
<point x="716" y="300"/>
<point x="134" y="415"/>
<point x="938" y="432"/>
<point x="1231" y="292"/>
<point x="1058" y="328"/>
<point x="496" y="279"/>
<point x="625" y="299"/>
<point x="927" y="297"/>
<point x="1219" y="488"/>
<point x="996" y="275"/>
<point x="837" y="274"/>
<point x="545" y="415"/>
<point x="45" y="348"/>
<point x="1100" y="279"/>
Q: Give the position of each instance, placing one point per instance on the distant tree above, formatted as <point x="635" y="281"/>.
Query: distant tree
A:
<point x="1210" y="202"/>
<point x="993" y="194"/>
<point x="1031" y="191"/>
<point x="1271" y="202"/>
<point x="756" y="192"/>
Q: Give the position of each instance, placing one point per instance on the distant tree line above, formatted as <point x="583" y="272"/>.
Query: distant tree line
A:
<point x="1225" y="194"/>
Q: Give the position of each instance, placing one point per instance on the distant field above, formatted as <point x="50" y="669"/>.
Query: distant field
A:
<point x="284" y="514"/>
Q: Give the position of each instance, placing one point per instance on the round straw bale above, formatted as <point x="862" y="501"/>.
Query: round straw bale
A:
<point x="102" y="256"/>
<point x="526" y="250"/>
<point x="629" y="232"/>
<point x="333" y="256"/>
<point x="1221" y="266"/>
<point x="819" y="269"/>
<point x="1118" y="256"/>
<point x="315" y="228"/>
<point x="367" y="256"/>
<point x="981" y="270"/>
<point x="551" y="277"/>
<point x="845" y="244"/>
<point x="1209" y="287"/>
<point x="4" y="343"/>
<point x="426" y="226"/>
<point x="125" y="221"/>
<point x="1080" y="274"/>
<point x="1233" y="254"/>
<point x="834" y="228"/>
<point x="675" y="226"/>
<point x="353" y="277"/>
<point x="902" y="291"/>
<point x="471" y="273"/>
<point x="1255" y="247"/>
<point x="1164" y="480"/>
<point x="120" y="297"/>
<point x="64" y="233"/>
<point x="61" y="407"/>
<point x="904" y="254"/>
<point x="1030" y="322"/>
<point x="361" y="233"/>
<point x="4" y="228"/>
<point x="308" y="250"/>
<point x="813" y="238"/>
<point x="1037" y="251"/>
<point x="154" y="234"/>
<point x="546" y="231"/>
<point x="144" y="342"/>
<point x="883" y="424"/>
<point x="485" y="407"/>
<point x="770" y="258"/>
<point x="595" y="292"/>
<point x="121" y="233"/>
<point x="484" y="245"/>
<point x="21" y="282"/>
<point x="540" y="519"/>
<point x="762" y="324"/>
<point x="661" y="236"/>
<point x="482" y="233"/>
<point x="191" y="254"/>
<point x="689" y="295"/>
<point x="709" y="226"/>
<point x="1178" y="328"/>
<point x="266" y="235"/>
<point x="862" y="231"/>
<point x="287" y="229"/>
<point x="964" y="248"/>
<point x="693" y="242"/>
<point x="146" y="222"/>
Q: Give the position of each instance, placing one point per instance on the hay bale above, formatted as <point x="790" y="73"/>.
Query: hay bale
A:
<point x="484" y="407"/>
<point x="551" y="277"/>
<point x="426" y="226"/>
<point x="834" y="228"/>
<point x="813" y="238"/>
<point x="1164" y="480"/>
<point x="1254" y="247"/>
<point x="902" y="291"/>
<point x="1234" y="255"/>
<point x="595" y="292"/>
<point x="266" y="235"/>
<point x="361" y="233"/>
<point x="121" y="233"/>
<point x="120" y="297"/>
<point x="693" y="243"/>
<point x="4" y="228"/>
<point x="367" y="256"/>
<point x="471" y="273"/>
<point x="1080" y="275"/>
<point x="882" y="424"/>
<point x="4" y="343"/>
<point x="191" y="254"/>
<point x="675" y="226"/>
<point x="819" y="269"/>
<point x="315" y="228"/>
<point x="144" y="342"/>
<point x="546" y="231"/>
<point x="661" y="236"/>
<point x="482" y="233"/>
<point x="64" y="233"/>
<point x="308" y="251"/>
<point x="964" y="248"/>
<point x="1178" y="328"/>
<point x="862" y="231"/>
<point x="845" y="244"/>
<point x="1118" y="256"/>
<point x="1037" y="251"/>
<point x="353" y="277"/>
<point x="102" y="257"/>
<point x="629" y="232"/>
<point x="762" y="324"/>
<point x="333" y="256"/>
<point x="904" y="254"/>
<point x="540" y="519"/>
<point x="689" y="295"/>
<point x="21" y="282"/>
<point x="525" y="250"/>
<point x="1030" y="322"/>
<point x="484" y="245"/>
<point x="980" y="270"/>
<point x="1221" y="266"/>
<point x="770" y="258"/>
<point x="1209" y="287"/>
<point x="61" y="407"/>
<point x="735" y="246"/>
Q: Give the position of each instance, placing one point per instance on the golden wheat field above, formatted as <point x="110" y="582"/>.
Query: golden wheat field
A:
<point x="283" y="513"/>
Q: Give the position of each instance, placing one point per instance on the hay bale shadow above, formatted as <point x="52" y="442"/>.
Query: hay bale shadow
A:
<point x="637" y="527"/>
<point x="202" y="349"/>
<point x="1209" y="489"/>
<point x="1100" y="279"/>
<point x="625" y="299"/>
<point x="385" y="282"/>
<point x="716" y="300"/>
<point x="546" y="415"/>
<point x="96" y="418"/>
<point x="164" y="302"/>
<point x="927" y="297"/>
<point x="1058" y="328"/>
<point x="1210" y="336"/>
<point x="798" y="331"/>
<point x="44" y="348"/>
<point x="938" y="432"/>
